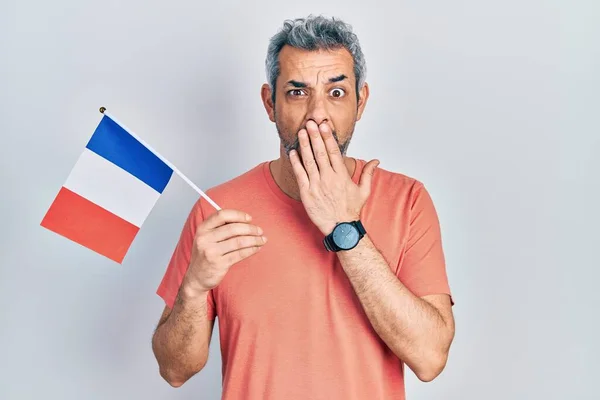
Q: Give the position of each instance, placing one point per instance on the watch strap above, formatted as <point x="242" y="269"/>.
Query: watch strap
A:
<point x="360" y="227"/>
<point x="329" y="244"/>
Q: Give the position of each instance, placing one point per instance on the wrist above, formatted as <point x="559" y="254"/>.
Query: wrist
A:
<point x="361" y="246"/>
<point x="190" y="292"/>
<point x="328" y="228"/>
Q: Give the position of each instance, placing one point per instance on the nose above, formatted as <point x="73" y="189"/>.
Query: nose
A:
<point x="317" y="110"/>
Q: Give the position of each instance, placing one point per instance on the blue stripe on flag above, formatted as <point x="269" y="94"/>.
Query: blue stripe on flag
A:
<point x="116" y="145"/>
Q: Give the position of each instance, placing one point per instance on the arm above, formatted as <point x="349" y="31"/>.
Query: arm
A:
<point x="201" y="260"/>
<point x="419" y="330"/>
<point x="181" y="340"/>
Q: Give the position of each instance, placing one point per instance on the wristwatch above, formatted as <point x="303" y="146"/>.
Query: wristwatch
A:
<point x="345" y="236"/>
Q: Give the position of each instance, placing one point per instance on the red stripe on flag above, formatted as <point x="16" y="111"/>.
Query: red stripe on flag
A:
<point x="90" y="225"/>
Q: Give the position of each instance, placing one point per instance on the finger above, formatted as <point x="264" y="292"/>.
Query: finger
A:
<point x="333" y="149"/>
<point x="299" y="172"/>
<point x="233" y="229"/>
<point x="366" y="177"/>
<point x="222" y="217"/>
<point x="236" y="256"/>
<point x="240" y="242"/>
<point x="307" y="156"/>
<point x="318" y="147"/>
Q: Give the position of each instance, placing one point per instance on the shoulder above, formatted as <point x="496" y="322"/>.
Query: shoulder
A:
<point x="241" y="181"/>
<point x="234" y="189"/>
<point x="395" y="185"/>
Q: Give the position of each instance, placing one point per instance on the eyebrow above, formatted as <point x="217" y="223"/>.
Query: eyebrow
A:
<point x="298" y="84"/>
<point x="337" y="78"/>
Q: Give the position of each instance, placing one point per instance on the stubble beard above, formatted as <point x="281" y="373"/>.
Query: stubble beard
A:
<point x="294" y="145"/>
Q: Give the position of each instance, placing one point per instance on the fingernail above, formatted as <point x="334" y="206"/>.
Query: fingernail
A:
<point x="260" y="231"/>
<point x="248" y="217"/>
<point x="264" y="238"/>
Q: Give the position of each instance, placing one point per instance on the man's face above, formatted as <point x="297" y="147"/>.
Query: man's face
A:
<point x="319" y="86"/>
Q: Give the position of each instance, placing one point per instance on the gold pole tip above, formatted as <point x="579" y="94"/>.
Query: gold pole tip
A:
<point x="102" y="109"/>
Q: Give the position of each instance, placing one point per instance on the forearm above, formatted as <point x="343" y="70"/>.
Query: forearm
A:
<point x="180" y="342"/>
<point x="411" y="327"/>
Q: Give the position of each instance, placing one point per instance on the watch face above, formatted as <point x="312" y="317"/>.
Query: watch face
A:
<point x="345" y="236"/>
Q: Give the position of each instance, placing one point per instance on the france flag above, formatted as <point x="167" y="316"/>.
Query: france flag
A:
<point x="109" y="193"/>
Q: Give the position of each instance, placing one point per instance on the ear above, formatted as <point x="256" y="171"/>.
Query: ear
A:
<point x="265" y="94"/>
<point x="362" y="100"/>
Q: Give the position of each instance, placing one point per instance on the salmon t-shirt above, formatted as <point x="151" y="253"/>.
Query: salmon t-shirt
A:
<point x="290" y="325"/>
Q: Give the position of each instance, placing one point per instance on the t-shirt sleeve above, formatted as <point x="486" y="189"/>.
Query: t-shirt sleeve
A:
<point x="180" y="260"/>
<point x="423" y="265"/>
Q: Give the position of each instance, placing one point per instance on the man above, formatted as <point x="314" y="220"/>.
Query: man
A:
<point x="338" y="279"/>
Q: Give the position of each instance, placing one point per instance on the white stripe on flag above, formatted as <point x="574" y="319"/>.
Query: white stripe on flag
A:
<point x="111" y="188"/>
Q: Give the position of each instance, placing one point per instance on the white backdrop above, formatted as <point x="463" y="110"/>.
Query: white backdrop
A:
<point x="493" y="105"/>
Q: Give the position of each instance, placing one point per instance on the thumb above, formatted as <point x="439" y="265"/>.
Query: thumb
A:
<point x="367" y="176"/>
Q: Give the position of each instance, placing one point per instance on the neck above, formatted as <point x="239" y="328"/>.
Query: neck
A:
<point x="284" y="177"/>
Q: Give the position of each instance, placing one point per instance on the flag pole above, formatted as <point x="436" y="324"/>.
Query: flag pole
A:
<point x="177" y="171"/>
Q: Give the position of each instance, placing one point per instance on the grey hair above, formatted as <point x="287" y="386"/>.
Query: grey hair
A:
<point x="315" y="33"/>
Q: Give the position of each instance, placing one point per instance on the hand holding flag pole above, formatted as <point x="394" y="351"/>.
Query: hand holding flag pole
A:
<point x="111" y="190"/>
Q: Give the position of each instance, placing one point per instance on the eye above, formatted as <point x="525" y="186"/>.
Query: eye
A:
<point x="295" y="92"/>
<point x="337" y="92"/>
